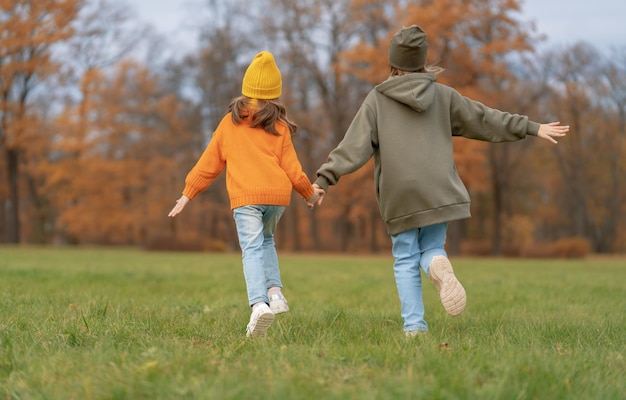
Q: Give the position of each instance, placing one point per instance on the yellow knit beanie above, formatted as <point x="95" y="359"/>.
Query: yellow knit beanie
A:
<point x="262" y="79"/>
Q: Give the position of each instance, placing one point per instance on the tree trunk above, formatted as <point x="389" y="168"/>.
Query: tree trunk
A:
<point x="315" y="240"/>
<point x="453" y="237"/>
<point x="295" y="227"/>
<point x="374" y="217"/>
<point x="13" y="220"/>
<point x="345" y="231"/>
<point x="497" y="188"/>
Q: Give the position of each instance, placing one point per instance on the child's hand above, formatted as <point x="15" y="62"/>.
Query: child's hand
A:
<point x="322" y="194"/>
<point x="316" y="198"/>
<point x="552" y="130"/>
<point x="180" y="204"/>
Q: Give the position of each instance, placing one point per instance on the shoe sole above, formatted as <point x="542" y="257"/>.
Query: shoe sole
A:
<point x="260" y="328"/>
<point x="451" y="292"/>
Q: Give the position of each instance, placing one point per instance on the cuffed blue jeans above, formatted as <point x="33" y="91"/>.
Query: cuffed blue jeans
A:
<point x="411" y="250"/>
<point x="256" y="225"/>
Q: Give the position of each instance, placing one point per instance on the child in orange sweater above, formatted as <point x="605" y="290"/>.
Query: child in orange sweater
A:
<point x="254" y="140"/>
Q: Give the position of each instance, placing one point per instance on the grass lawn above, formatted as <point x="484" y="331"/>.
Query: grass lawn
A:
<point x="127" y="324"/>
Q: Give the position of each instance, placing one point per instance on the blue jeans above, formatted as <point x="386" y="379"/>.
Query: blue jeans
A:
<point x="413" y="249"/>
<point x="256" y="225"/>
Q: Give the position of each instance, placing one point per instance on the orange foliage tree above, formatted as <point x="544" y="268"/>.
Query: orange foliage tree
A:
<point x="104" y="161"/>
<point x="28" y="31"/>
<point x="113" y="173"/>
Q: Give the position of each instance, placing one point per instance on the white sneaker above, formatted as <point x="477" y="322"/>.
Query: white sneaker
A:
<point x="451" y="292"/>
<point x="261" y="319"/>
<point x="278" y="304"/>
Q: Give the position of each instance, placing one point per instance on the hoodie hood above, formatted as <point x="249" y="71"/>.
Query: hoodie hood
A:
<point x="415" y="90"/>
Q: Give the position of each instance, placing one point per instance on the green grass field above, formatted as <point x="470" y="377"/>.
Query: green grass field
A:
<point x="127" y="324"/>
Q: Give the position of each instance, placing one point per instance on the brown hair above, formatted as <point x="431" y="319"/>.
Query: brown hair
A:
<point x="260" y="114"/>
<point x="430" y="69"/>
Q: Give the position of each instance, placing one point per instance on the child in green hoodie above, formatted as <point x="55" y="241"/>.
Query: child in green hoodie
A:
<point x="407" y="123"/>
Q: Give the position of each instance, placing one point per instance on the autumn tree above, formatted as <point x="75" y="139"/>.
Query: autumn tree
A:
<point x="104" y="34"/>
<point x="29" y="30"/>
<point x="113" y="174"/>
<point x="614" y="76"/>
<point x="95" y="141"/>
<point x="591" y="160"/>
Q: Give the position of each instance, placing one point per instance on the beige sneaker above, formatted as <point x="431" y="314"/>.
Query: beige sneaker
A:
<point x="261" y="319"/>
<point x="278" y="304"/>
<point x="450" y="290"/>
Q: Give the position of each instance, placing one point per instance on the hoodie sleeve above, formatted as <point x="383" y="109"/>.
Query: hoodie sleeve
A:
<point x="474" y="120"/>
<point x="353" y="152"/>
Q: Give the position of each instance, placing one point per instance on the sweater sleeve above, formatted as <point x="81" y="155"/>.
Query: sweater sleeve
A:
<point x="474" y="120"/>
<point x="208" y="167"/>
<point x="292" y="167"/>
<point x="353" y="151"/>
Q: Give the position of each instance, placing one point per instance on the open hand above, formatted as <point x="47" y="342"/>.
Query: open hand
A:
<point x="552" y="130"/>
<point x="180" y="204"/>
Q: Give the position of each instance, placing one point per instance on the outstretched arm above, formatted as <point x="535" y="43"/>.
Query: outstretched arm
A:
<point x="552" y="130"/>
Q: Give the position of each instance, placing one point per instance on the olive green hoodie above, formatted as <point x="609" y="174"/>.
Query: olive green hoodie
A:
<point x="406" y="123"/>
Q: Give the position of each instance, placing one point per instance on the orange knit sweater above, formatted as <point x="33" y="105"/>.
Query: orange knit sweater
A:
<point x="261" y="168"/>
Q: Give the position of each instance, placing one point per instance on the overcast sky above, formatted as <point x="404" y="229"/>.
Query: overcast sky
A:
<point x="600" y="22"/>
